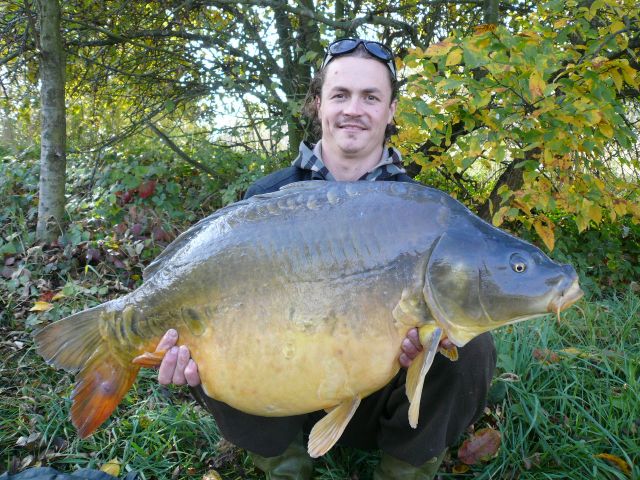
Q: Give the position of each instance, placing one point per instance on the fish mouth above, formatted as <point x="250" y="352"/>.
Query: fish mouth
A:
<point x="566" y="299"/>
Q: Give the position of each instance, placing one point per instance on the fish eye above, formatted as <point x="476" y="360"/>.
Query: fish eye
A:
<point x="518" y="263"/>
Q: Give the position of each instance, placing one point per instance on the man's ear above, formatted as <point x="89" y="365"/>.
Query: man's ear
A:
<point x="392" y="110"/>
<point x="317" y="100"/>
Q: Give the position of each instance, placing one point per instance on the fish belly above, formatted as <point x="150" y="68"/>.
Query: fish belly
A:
<point x="286" y="372"/>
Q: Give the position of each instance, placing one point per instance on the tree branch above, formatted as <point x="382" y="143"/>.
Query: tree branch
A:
<point x="169" y="143"/>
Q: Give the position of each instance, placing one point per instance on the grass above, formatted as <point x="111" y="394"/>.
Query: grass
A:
<point x="563" y="395"/>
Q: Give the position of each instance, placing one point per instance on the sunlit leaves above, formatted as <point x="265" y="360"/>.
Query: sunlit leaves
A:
<point x="538" y="99"/>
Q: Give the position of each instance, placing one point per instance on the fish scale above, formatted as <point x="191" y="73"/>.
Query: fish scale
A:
<point x="322" y="280"/>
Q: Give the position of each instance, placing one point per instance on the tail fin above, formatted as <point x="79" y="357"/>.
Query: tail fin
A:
<point x="75" y="344"/>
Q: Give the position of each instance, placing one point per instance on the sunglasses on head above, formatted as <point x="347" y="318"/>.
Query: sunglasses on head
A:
<point x="348" y="45"/>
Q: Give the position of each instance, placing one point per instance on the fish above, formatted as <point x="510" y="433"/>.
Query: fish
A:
<point x="298" y="301"/>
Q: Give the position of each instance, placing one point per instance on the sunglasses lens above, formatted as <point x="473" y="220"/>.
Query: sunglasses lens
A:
<point x="343" y="46"/>
<point x="348" y="45"/>
<point x="378" y="50"/>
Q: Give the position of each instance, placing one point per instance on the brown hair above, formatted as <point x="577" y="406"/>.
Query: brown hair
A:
<point x="310" y="106"/>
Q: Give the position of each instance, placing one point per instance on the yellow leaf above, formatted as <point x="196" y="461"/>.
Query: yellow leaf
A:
<point x="454" y="57"/>
<point x="461" y="468"/>
<point x="58" y="296"/>
<point x="595" y="213"/>
<point x="617" y="78"/>
<point x="582" y="223"/>
<point x="560" y="23"/>
<point x="595" y="6"/>
<point x="212" y="475"/>
<point x="484" y="28"/>
<point x="439" y="49"/>
<point x="498" y="217"/>
<point x="593" y="117"/>
<point x="616" y="26"/>
<point x="617" y="461"/>
<point x="41" y="307"/>
<point x="620" y="207"/>
<point x="536" y="85"/>
<point x="112" y="467"/>
<point x="606" y="130"/>
<point x="629" y="74"/>
<point x="544" y="229"/>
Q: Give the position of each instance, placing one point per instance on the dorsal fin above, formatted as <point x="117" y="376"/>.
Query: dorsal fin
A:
<point x="304" y="185"/>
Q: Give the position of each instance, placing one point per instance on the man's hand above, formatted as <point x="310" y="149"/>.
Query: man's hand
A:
<point x="411" y="347"/>
<point x="177" y="366"/>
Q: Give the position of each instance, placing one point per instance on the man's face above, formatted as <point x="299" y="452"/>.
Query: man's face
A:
<point x="355" y="106"/>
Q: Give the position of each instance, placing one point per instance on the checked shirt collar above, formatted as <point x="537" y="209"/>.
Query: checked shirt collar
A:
<point x="309" y="158"/>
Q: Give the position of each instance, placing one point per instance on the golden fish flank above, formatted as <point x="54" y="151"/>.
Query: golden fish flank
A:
<point x="326" y="279"/>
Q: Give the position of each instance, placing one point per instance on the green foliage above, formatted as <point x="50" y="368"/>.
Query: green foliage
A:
<point x="607" y="259"/>
<point x="546" y="100"/>
<point x="120" y="219"/>
<point x="571" y="395"/>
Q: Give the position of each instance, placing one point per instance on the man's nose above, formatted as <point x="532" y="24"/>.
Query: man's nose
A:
<point x="353" y="106"/>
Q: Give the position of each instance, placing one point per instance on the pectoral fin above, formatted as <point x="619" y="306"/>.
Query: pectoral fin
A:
<point x="326" y="432"/>
<point x="430" y="339"/>
<point x="149" y="359"/>
<point x="450" y="352"/>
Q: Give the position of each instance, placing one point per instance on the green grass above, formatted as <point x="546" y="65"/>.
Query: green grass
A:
<point x="562" y="395"/>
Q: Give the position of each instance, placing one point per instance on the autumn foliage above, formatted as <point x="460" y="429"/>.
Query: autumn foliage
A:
<point x="536" y="123"/>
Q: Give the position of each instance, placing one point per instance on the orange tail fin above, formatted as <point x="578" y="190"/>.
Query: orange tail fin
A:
<point x="76" y="345"/>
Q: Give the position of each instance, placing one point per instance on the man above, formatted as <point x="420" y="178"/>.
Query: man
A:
<point x="353" y="100"/>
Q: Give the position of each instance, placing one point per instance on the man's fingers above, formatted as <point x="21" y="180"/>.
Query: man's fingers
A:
<point x="168" y="366"/>
<point x="446" y="343"/>
<point x="414" y="337"/>
<point x="404" y="360"/>
<point x="409" y="349"/>
<point x="168" y="340"/>
<point x="191" y="374"/>
<point x="181" y="364"/>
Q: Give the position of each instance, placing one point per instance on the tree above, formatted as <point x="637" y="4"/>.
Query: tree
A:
<point x="53" y="130"/>
<point x="541" y="111"/>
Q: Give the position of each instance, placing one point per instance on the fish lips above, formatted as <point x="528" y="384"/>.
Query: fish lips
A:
<point x="570" y="296"/>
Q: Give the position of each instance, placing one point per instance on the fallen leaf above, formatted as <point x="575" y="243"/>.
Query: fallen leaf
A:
<point x="46" y="296"/>
<point x="616" y="461"/>
<point x="480" y="447"/>
<point x="93" y="255"/>
<point x="460" y="468"/>
<point x="546" y="356"/>
<point x="112" y="467"/>
<point x="41" y="307"/>
<point x="7" y="272"/>
<point x="58" y="296"/>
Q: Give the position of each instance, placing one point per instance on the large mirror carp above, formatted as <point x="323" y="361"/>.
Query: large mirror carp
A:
<point x="298" y="300"/>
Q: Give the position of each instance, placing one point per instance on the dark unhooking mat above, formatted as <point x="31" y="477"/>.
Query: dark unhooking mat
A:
<point x="47" y="473"/>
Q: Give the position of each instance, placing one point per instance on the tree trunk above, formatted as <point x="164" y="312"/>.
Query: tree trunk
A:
<point x="512" y="178"/>
<point x="53" y="123"/>
<point x="491" y="10"/>
<point x="8" y="130"/>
